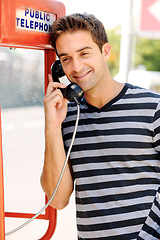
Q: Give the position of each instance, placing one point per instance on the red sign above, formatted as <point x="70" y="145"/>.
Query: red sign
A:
<point x="27" y="23"/>
<point x="150" y="15"/>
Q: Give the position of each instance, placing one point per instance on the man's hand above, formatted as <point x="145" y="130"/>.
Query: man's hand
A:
<point x="55" y="105"/>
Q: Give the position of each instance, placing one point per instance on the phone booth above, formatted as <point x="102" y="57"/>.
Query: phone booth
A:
<point x="26" y="24"/>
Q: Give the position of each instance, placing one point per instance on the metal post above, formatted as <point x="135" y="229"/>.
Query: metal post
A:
<point x="126" y="43"/>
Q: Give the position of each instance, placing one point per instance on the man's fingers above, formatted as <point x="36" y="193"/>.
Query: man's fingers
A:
<point x="58" y="84"/>
<point x="52" y="86"/>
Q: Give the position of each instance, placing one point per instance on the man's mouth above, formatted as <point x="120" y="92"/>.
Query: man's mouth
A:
<point x="81" y="75"/>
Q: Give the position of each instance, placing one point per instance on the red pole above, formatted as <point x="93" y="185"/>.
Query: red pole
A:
<point x="2" y="226"/>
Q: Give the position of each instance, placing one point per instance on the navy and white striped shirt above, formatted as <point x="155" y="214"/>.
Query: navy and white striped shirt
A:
<point x="116" y="167"/>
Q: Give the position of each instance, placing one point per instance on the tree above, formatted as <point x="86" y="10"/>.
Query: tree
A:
<point x="114" y="40"/>
<point x="147" y="52"/>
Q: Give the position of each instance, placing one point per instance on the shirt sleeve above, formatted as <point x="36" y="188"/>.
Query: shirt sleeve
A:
<point x="156" y="128"/>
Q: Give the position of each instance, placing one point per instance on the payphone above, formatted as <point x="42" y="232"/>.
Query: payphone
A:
<point x="26" y="24"/>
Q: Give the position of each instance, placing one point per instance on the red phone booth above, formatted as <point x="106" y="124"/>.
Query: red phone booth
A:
<point x="26" y="24"/>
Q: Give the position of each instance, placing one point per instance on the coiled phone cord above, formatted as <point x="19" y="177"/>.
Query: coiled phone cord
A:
<point x="59" y="180"/>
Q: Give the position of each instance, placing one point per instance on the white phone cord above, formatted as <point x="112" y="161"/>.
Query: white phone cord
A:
<point x="58" y="183"/>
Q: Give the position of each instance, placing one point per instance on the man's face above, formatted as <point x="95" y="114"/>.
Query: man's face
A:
<point x="81" y="58"/>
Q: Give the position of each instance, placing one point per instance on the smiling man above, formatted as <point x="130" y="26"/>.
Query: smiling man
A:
<point x="114" y="162"/>
<point x="85" y="65"/>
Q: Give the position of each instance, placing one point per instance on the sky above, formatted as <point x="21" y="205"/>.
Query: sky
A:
<point x="110" y="12"/>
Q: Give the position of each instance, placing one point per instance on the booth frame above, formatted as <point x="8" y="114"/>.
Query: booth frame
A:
<point x="13" y="39"/>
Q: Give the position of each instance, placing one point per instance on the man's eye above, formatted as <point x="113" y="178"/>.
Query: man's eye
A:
<point x="65" y="59"/>
<point x="84" y="53"/>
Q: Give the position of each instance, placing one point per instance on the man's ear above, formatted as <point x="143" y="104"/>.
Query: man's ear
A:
<point x="106" y="50"/>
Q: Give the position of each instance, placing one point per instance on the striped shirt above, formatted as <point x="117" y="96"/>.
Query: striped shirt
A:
<point x="116" y="167"/>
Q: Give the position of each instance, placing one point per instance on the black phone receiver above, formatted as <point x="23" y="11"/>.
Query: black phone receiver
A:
<point x="72" y="92"/>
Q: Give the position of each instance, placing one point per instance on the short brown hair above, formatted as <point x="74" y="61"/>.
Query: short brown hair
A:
<point x="75" y="22"/>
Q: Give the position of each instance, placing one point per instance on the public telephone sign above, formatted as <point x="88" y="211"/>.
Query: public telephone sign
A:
<point x="27" y="23"/>
<point x="34" y="20"/>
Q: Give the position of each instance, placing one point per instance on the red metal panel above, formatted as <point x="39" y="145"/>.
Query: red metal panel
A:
<point x="50" y="57"/>
<point x="23" y="23"/>
<point x="16" y="31"/>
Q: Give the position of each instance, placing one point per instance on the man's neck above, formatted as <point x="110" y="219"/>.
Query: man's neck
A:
<point x="101" y="96"/>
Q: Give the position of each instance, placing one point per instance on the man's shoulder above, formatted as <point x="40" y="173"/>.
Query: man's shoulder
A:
<point x="141" y="92"/>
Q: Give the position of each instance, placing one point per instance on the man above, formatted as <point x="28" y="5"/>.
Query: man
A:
<point x="114" y="161"/>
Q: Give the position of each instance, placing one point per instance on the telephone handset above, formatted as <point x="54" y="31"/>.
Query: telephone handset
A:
<point x="72" y="92"/>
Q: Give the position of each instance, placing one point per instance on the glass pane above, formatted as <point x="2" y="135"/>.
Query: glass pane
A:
<point x="21" y="97"/>
<point x="21" y="77"/>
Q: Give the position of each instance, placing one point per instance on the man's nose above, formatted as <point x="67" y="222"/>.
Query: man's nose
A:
<point x="76" y="65"/>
